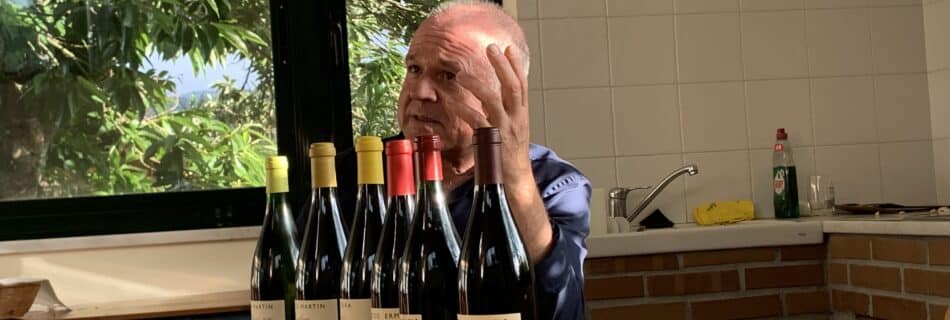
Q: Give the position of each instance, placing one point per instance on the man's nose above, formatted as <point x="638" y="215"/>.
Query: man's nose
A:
<point x="422" y="89"/>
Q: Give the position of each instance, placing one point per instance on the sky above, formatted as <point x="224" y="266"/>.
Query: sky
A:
<point x="185" y="79"/>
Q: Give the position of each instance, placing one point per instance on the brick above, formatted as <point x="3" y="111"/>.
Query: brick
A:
<point x="938" y="312"/>
<point x="740" y="308"/>
<point x="897" y="308"/>
<point x="784" y="276"/>
<point x="806" y="302"/>
<point x="837" y="273"/>
<point x="692" y="283"/>
<point x="708" y="258"/>
<point x="939" y="252"/>
<point x="849" y="247"/>
<point x="874" y="277"/>
<point x="899" y="250"/>
<point x="934" y="283"/>
<point x="613" y="288"/>
<point x="676" y="310"/>
<point x="798" y="253"/>
<point x="858" y="303"/>
<point x="598" y="266"/>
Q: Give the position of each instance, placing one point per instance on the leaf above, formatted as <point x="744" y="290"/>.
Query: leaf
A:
<point x="211" y="4"/>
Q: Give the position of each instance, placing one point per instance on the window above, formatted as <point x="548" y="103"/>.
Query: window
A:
<point x="117" y="97"/>
<point x="121" y="116"/>
<point x="379" y="34"/>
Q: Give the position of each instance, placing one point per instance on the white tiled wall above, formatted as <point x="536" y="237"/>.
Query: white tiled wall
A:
<point x="629" y="90"/>
<point x="937" y="35"/>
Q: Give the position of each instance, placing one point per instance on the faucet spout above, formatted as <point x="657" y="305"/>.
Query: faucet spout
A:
<point x="689" y="170"/>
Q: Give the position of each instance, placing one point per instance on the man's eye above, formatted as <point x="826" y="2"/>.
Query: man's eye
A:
<point x="413" y="69"/>
<point x="448" y="75"/>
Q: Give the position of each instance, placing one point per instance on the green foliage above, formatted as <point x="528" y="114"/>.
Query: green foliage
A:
<point x="82" y="69"/>
<point x="379" y="34"/>
<point x="111" y="125"/>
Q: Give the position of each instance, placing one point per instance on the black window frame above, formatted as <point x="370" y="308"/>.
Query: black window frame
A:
<point x="312" y="93"/>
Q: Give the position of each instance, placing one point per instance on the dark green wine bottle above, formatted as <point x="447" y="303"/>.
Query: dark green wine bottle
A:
<point x="355" y="303"/>
<point x="392" y="241"/>
<point x="495" y="276"/>
<point x="274" y="267"/>
<point x="428" y="272"/>
<point x="321" y="257"/>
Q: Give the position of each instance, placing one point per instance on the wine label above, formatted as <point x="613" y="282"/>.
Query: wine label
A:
<point x="355" y="309"/>
<point x="385" y="313"/>
<point x="267" y="309"/>
<point x="410" y="316"/>
<point x="507" y="316"/>
<point x="317" y="309"/>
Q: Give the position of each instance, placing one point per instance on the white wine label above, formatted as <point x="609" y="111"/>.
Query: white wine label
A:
<point x="385" y="313"/>
<point x="508" y="316"/>
<point x="267" y="309"/>
<point x="355" y="309"/>
<point x="410" y="316"/>
<point x="317" y="309"/>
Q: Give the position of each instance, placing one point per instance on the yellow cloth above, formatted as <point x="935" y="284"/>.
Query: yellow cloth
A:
<point x="723" y="212"/>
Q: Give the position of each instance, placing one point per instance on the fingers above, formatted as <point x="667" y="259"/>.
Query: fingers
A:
<point x="499" y="104"/>
<point x="472" y="116"/>
<point x="514" y="82"/>
<point x="490" y="98"/>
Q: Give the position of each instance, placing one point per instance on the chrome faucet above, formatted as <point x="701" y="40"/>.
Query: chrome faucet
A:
<point x="618" y="196"/>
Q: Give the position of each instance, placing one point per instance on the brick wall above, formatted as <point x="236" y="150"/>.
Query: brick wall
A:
<point x="889" y="277"/>
<point x="881" y="277"/>
<point x="725" y="284"/>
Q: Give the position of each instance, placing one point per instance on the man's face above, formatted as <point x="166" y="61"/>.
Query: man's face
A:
<point x="431" y="96"/>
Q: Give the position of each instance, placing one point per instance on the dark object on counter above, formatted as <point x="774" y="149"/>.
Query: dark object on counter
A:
<point x="656" y="220"/>
<point x="872" y="208"/>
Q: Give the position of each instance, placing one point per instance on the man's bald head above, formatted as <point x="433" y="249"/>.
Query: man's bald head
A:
<point x="483" y="19"/>
<point x="449" y="52"/>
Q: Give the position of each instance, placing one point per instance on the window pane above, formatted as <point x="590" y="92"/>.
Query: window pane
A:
<point x="102" y="97"/>
<point x="379" y="35"/>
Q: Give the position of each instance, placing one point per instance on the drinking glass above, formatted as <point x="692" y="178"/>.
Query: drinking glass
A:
<point x="821" y="195"/>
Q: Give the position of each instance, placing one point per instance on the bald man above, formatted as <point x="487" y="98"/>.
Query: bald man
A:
<point x="467" y="68"/>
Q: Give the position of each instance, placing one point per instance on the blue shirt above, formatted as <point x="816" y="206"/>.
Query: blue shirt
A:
<point x="566" y="195"/>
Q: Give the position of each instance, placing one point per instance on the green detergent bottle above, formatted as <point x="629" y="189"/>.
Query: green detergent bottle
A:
<point x="784" y="178"/>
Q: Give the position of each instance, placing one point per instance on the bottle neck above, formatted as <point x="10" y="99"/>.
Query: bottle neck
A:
<point x="488" y="164"/>
<point x="780" y="145"/>
<point x="276" y="181"/>
<point x="400" y="174"/>
<point x="431" y="166"/>
<point x="369" y="167"/>
<point x="322" y="172"/>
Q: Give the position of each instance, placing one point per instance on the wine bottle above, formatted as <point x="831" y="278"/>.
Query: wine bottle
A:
<point x="429" y="270"/>
<point x="401" y="186"/>
<point x="318" y="273"/>
<point x="361" y="248"/>
<point x="495" y="277"/>
<point x="275" y="258"/>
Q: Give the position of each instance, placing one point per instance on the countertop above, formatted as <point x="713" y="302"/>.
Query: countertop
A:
<point x="684" y="237"/>
<point x="222" y="302"/>
<point x="758" y="233"/>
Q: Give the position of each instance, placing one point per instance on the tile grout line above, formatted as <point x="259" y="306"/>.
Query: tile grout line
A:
<point x="613" y="105"/>
<point x="745" y="109"/>
<point x="877" y="125"/>
<point x="810" y="77"/>
<point x="673" y="12"/>
<point x="811" y="102"/>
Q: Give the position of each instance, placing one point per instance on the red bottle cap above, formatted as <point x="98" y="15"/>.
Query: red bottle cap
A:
<point x="781" y="134"/>
<point x="430" y="153"/>
<point x="399" y="162"/>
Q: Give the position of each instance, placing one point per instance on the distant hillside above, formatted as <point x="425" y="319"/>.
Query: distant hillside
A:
<point x="185" y="100"/>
